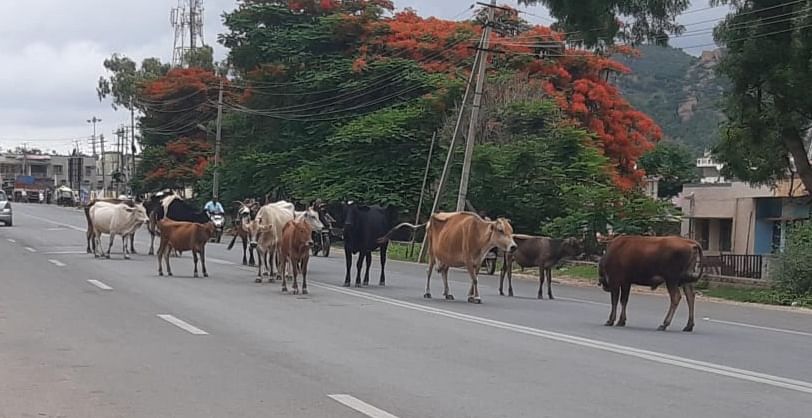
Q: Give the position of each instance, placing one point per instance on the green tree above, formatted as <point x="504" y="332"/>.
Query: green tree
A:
<point x="126" y="78"/>
<point x="793" y="269"/>
<point x="598" y="22"/>
<point x="673" y="164"/>
<point x="769" y="111"/>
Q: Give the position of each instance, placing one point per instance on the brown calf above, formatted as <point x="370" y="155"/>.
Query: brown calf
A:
<point x="651" y="261"/>
<point x="183" y="236"/>
<point x="294" y="247"/>
<point x="542" y="252"/>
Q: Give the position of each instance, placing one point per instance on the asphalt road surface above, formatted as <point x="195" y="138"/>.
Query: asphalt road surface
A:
<point x="85" y="337"/>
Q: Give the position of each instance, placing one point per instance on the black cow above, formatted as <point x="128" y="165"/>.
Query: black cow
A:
<point x="363" y="226"/>
<point x="177" y="210"/>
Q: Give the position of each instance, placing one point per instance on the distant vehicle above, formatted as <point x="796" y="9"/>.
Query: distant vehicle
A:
<point x="5" y="209"/>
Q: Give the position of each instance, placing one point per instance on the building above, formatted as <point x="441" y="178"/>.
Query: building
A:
<point x="75" y="171"/>
<point x="734" y="217"/>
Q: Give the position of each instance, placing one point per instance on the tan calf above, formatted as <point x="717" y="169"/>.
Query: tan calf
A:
<point x="294" y="248"/>
<point x="183" y="236"/>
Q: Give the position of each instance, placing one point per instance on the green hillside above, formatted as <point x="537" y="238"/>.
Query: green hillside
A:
<point x="680" y="91"/>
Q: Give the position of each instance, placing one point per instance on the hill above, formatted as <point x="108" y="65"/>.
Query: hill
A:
<point x="679" y="91"/>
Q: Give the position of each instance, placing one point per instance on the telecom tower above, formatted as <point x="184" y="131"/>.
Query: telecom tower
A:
<point x="187" y="21"/>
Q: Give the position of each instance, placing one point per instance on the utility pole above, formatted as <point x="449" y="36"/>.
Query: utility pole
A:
<point x="449" y="156"/>
<point x="132" y="138"/>
<point x="94" y="120"/>
<point x="422" y="191"/>
<point x="104" y="174"/>
<point x="471" y="139"/>
<point x="216" y="179"/>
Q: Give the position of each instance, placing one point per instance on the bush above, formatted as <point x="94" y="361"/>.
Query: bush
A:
<point x="792" y="273"/>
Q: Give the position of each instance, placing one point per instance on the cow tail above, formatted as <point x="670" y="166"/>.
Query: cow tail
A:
<point x="696" y="265"/>
<point x="233" y="240"/>
<point x="87" y="217"/>
<point x="384" y="239"/>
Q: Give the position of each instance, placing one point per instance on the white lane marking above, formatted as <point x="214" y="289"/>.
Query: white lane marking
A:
<point x="65" y="252"/>
<point x="11" y="240"/>
<point x="75" y="228"/>
<point x="361" y="406"/>
<point x="663" y="358"/>
<point x="57" y="263"/>
<point x="182" y="324"/>
<point x="99" y="284"/>
<point x="30" y="250"/>
<point x="590" y="302"/>
<point x="740" y="324"/>
<point x="59" y="228"/>
<point x="219" y="261"/>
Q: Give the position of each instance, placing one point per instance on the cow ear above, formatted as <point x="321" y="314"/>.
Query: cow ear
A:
<point x="129" y="209"/>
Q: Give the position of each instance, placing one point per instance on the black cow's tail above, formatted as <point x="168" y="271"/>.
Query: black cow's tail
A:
<point x="233" y="240"/>
<point x="696" y="266"/>
<point x="384" y="239"/>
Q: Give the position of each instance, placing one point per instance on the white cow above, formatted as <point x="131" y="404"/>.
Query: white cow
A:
<point x="312" y="217"/>
<point x="115" y="219"/>
<point x="266" y="232"/>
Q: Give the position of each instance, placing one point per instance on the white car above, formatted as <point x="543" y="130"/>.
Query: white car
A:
<point x="5" y="209"/>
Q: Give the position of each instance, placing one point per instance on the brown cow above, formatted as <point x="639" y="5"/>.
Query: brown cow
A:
<point x="542" y="252"/>
<point x="183" y="236"/>
<point x="651" y="261"/>
<point x="462" y="239"/>
<point x="294" y="248"/>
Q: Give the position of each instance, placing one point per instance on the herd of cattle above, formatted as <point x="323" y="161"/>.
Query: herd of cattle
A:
<point x="282" y="237"/>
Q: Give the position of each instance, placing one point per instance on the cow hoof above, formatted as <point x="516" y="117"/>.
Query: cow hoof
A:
<point x="550" y="297"/>
<point x="107" y="256"/>
<point x="510" y="293"/>
<point x="449" y="297"/>
<point x="195" y="275"/>
<point x="150" y="253"/>
<point x="205" y="274"/>
<point x="160" y="274"/>
<point x="540" y="297"/>
<point x="358" y="285"/>
<point x="126" y="257"/>
<point x="427" y="296"/>
<point x="501" y="293"/>
<point x="620" y="324"/>
<point x="304" y="291"/>
<point x="661" y="328"/>
<point x="258" y="280"/>
<point x="295" y="291"/>
<point x="266" y="274"/>
<point x="169" y="274"/>
<point x="688" y="328"/>
<point x="382" y="284"/>
<point x="474" y="300"/>
<point x="609" y="323"/>
<point x="244" y="263"/>
<point x="284" y="290"/>
<point x="347" y="284"/>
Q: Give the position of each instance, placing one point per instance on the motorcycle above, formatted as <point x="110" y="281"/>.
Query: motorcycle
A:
<point x="219" y="221"/>
<point x="321" y="242"/>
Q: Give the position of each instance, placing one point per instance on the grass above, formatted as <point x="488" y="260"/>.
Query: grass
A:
<point x="400" y="251"/>
<point x="579" y="271"/>
<point x="765" y="296"/>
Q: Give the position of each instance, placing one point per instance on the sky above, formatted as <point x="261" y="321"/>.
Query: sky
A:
<point x="52" y="52"/>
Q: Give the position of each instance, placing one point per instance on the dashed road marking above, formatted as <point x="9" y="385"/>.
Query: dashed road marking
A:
<point x="663" y="358"/>
<point x="73" y="227"/>
<point x="741" y="324"/>
<point x="99" y="284"/>
<point x="182" y="324"/>
<point x="11" y="240"/>
<point x="57" y="263"/>
<point x="65" y="252"/>
<point x="219" y="261"/>
<point x="361" y="406"/>
<point x="30" y="250"/>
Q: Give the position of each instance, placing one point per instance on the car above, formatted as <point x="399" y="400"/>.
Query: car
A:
<point x="5" y="209"/>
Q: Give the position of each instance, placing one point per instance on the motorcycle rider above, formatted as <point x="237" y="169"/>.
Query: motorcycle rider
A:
<point x="213" y="207"/>
<point x="324" y="216"/>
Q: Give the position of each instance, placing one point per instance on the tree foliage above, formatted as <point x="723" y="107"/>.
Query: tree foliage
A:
<point x="793" y="268"/>
<point x="126" y="78"/>
<point x="768" y="54"/>
<point x="673" y="164"/>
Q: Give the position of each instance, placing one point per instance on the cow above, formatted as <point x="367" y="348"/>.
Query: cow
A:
<point x="169" y="205"/>
<point x="115" y="219"/>
<point x="90" y="234"/>
<point x="542" y="252"/>
<point x="183" y="236"/>
<point x="294" y="248"/>
<point x="364" y="226"/>
<point x="651" y="261"/>
<point x="245" y="215"/>
<point x="462" y="239"/>
<point x="265" y="232"/>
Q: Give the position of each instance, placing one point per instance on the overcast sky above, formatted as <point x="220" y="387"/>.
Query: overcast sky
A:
<point x="51" y="54"/>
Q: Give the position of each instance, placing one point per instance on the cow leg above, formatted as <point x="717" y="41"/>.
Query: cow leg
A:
<point x="368" y="259"/>
<point x="132" y="243"/>
<point x="502" y="274"/>
<point x="251" y="260"/>
<point x="446" y="290"/>
<point x="203" y="261"/>
<point x="613" y="312"/>
<point x="542" y="277"/>
<point x="160" y="264"/>
<point x="124" y="248"/>
<point x="673" y="291"/>
<point x="110" y="245"/>
<point x="510" y="280"/>
<point x="166" y="258"/>
<point x="244" y="250"/>
<point x="294" y="265"/>
<point x="151" y="243"/>
<point x="550" y="283"/>
<point x="473" y="294"/>
<point x="261" y="256"/>
<point x="358" y="266"/>
<point x="688" y="288"/>
<point x="625" y="290"/>
<point x="305" y="261"/>
<point x="382" y="282"/>
<point x="427" y="295"/>
<point x="283" y="267"/>
<point x="194" y="258"/>
<point x="90" y="238"/>
<point x="348" y="260"/>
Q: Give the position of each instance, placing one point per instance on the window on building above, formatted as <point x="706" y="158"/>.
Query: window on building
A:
<point x="57" y="170"/>
<point x="725" y="234"/>
<point x="88" y="171"/>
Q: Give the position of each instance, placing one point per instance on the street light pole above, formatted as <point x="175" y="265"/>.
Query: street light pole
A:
<point x="94" y="120"/>
<point x="216" y="179"/>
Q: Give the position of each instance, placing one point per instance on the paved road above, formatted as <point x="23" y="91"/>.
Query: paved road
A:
<point x="81" y="337"/>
